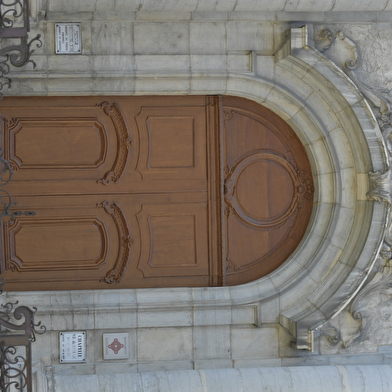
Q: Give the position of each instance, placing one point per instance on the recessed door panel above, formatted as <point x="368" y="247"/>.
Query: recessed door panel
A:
<point x="174" y="240"/>
<point x="172" y="143"/>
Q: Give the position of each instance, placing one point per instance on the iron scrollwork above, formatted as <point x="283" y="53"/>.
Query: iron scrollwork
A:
<point x="15" y="345"/>
<point x="15" y="24"/>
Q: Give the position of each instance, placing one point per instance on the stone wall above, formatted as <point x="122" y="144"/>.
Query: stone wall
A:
<point x="308" y="302"/>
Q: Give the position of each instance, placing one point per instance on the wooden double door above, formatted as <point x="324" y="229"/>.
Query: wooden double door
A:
<point x="149" y="192"/>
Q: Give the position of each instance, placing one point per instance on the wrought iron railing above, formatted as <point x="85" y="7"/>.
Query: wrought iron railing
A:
<point x="14" y="24"/>
<point x="15" y="346"/>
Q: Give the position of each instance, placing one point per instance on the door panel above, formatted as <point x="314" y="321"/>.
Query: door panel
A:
<point x="172" y="143"/>
<point x="46" y="144"/>
<point x="268" y="190"/>
<point x="68" y="240"/>
<point x="175" y="240"/>
<point x="119" y="187"/>
<point x="149" y="192"/>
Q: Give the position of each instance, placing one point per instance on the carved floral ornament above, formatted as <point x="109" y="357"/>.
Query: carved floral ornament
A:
<point x="377" y="291"/>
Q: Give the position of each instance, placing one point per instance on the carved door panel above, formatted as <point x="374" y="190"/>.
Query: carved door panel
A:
<point x="268" y="191"/>
<point x="119" y="189"/>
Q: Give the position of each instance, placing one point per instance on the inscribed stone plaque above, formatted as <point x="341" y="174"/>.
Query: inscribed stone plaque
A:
<point x="72" y="347"/>
<point x="68" y="38"/>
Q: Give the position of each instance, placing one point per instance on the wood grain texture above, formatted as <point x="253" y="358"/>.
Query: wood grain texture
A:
<point x="199" y="191"/>
<point x="268" y="190"/>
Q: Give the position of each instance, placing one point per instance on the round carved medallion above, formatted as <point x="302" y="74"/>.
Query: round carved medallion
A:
<point x="268" y="191"/>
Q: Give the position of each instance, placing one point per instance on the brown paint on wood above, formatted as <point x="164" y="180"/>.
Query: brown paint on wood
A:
<point x="150" y="192"/>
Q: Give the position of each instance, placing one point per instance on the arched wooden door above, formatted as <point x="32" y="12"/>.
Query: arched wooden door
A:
<point x="149" y="192"/>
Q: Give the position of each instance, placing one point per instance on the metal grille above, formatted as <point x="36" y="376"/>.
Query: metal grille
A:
<point x="14" y="25"/>
<point x="17" y="332"/>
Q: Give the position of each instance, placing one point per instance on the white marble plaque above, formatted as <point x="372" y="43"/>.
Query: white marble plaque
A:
<point x="68" y="38"/>
<point x="72" y="347"/>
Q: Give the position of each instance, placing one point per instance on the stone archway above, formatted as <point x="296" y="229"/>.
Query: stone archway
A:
<point x="343" y="141"/>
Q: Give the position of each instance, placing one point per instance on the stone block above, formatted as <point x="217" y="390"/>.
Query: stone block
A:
<point x="292" y="299"/>
<point x="115" y="298"/>
<point x="161" y="366"/>
<point x="213" y="363"/>
<point x="208" y="63"/>
<point x="203" y="296"/>
<point x="240" y="63"/>
<point x="364" y="359"/>
<point x="346" y="16"/>
<point x="287" y="104"/>
<point x="161" y="38"/>
<point x="211" y="342"/>
<point x="114" y="85"/>
<point x="70" y="16"/>
<point x="209" y="15"/>
<point x="341" y="148"/>
<point x="65" y="86"/>
<point x="164" y="318"/>
<point x="169" y="296"/>
<point x="213" y="316"/>
<point x="304" y="16"/>
<point x="269" y="311"/>
<point x="76" y="383"/>
<point x="321" y="270"/>
<point x="59" y="5"/>
<point x="112" y="38"/>
<point x="309" y="6"/>
<point x="247" y="36"/>
<point x="207" y="38"/>
<point x="244" y="315"/>
<point x="225" y="5"/>
<point x="163" y="15"/>
<point x="115" y="318"/>
<point x="320" y="150"/>
<point x="78" y="64"/>
<point x="309" y="129"/>
<point x="254" y="363"/>
<point x="323" y="109"/>
<point x="289" y="81"/>
<point x="254" y="342"/>
<point x="211" y="84"/>
<point x="113" y="65"/>
<point x="117" y="367"/>
<point x="267" y="16"/>
<point x="247" y="87"/>
<point x="164" y="63"/>
<point x="164" y="344"/>
<point x="156" y="85"/>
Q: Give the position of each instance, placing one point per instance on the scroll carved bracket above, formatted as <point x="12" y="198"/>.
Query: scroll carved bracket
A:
<point x="378" y="289"/>
<point x="124" y="143"/>
<point x="343" y="52"/>
<point x="125" y="242"/>
<point x="6" y="202"/>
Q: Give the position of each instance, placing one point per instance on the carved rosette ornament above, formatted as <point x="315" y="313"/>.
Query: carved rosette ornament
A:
<point x="301" y="184"/>
<point x="125" y="242"/>
<point x="124" y="143"/>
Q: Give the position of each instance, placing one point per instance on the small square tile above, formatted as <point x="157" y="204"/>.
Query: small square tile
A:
<point x="115" y="345"/>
